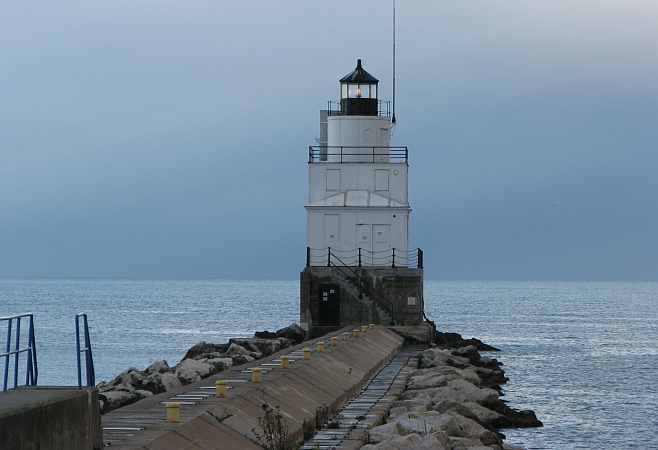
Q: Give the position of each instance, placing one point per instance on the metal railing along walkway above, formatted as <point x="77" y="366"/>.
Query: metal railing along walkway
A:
<point x="90" y="374"/>
<point x="14" y="341"/>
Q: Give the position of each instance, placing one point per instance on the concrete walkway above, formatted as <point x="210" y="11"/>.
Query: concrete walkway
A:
<point x="305" y="391"/>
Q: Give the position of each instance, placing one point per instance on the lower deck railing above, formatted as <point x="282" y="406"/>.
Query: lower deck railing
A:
<point x="361" y="257"/>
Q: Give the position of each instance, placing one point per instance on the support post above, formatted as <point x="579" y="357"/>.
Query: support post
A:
<point x="393" y="263"/>
<point x="420" y="259"/>
<point x="328" y="256"/>
<point x="308" y="256"/>
<point x="359" y="256"/>
<point x="77" y="348"/>
<point x="7" y="355"/>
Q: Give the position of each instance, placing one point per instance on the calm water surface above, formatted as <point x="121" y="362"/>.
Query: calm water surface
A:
<point x="584" y="356"/>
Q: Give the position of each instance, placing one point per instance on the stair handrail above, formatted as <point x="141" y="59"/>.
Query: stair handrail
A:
<point x="31" y="370"/>
<point x="90" y="374"/>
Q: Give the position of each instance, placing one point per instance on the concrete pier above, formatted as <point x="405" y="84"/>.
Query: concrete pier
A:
<point x="305" y="392"/>
<point x="50" y="419"/>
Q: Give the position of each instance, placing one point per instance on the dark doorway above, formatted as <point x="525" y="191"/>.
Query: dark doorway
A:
<point x="329" y="310"/>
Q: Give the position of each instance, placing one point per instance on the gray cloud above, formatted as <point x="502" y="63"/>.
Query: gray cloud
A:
<point x="160" y="139"/>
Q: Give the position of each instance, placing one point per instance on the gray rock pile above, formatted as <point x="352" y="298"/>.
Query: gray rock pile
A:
<point x="451" y="402"/>
<point x="201" y="361"/>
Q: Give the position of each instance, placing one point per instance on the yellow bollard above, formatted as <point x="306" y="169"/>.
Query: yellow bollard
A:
<point x="285" y="363"/>
<point x="334" y="341"/>
<point x="220" y="388"/>
<point x="364" y="328"/>
<point x="173" y="412"/>
<point x="355" y="333"/>
<point x="256" y="375"/>
<point x="307" y="353"/>
<point x="320" y="347"/>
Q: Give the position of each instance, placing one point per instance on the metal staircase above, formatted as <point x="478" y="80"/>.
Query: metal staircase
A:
<point x="351" y="280"/>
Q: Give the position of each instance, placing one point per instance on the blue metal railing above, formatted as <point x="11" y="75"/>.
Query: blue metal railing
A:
<point x="90" y="374"/>
<point x="31" y="370"/>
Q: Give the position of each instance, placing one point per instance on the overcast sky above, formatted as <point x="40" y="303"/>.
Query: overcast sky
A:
<point x="168" y="139"/>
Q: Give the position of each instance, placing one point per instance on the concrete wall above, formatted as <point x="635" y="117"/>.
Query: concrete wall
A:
<point x="50" y="419"/>
<point x="398" y="292"/>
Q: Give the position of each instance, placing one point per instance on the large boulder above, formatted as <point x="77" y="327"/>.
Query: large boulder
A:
<point x="418" y="405"/>
<point x="463" y="391"/>
<point x="239" y="354"/>
<point x="439" y="376"/>
<point x="484" y="416"/>
<point x="203" y="348"/>
<point x="159" y="382"/>
<point x="192" y="370"/>
<point x="434" y="357"/>
<point x="293" y="332"/>
<point x="455" y="340"/>
<point x="409" y="442"/>
<point x="263" y="347"/>
<point x="159" y="366"/>
<point x="513" y="418"/>
<point x="169" y="381"/>
<point x="383" y="433"/>
<point x="452" y="424"/>
<point x="113" y="399"/>
<point x="218" y="364"/>
<point x="129" y="377"/>
<point x="265" y="334"/>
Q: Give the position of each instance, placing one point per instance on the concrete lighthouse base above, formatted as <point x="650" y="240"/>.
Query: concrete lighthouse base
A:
<point x="332" y="297"/>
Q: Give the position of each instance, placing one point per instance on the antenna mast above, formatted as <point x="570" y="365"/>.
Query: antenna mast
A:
<point x="393" y="120"/>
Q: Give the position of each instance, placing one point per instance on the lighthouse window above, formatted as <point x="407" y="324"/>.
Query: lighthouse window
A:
<point x="333" y="180"/>
<point x="381" y="180"/>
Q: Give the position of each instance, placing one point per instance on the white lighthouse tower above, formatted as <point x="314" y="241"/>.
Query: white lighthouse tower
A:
<point x="359" y="267"/>
<point x="357" y="181"/>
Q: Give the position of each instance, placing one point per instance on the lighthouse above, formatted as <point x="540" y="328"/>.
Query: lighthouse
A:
<point x="359" y="265"/>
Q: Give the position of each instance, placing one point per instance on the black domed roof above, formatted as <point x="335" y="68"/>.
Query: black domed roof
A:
<point x="359" y="75"/>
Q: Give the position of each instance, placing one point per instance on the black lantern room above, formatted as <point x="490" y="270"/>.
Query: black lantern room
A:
<point x="358" y="93"/>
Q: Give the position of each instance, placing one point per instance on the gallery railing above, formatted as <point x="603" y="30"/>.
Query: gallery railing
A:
<point x="334" y="108"/>
<point x="343" y="154"/>
<point x="361" y="257"/>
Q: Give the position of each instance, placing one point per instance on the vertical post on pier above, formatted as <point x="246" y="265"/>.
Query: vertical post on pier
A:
<point x="9" y="325"/>
<point x="359" y="256"/>
<point x="420" y="259"/>
<point x="17" y="350"/>
<point x="172" y="412"/>
<point x="393" y="263"/>
<point x="328" y="256"/>
<point x="308" y="256"/>
<point x="220" y="388"/>
<point x="77" y="348"/>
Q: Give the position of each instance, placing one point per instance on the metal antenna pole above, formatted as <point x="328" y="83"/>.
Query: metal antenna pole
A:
<point x="393" y="120"/>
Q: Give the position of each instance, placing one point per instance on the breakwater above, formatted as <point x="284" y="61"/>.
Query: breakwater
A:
<point x="451" y="397"/>
<point x="451" y="401"/>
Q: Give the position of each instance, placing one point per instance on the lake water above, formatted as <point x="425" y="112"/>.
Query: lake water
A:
<point x="584" y="356"/>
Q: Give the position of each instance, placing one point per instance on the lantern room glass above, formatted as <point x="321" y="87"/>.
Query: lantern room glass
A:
<point x="358" y="90"/>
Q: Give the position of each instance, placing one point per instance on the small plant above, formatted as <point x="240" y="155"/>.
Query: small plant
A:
<point x="273" y="433"/>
